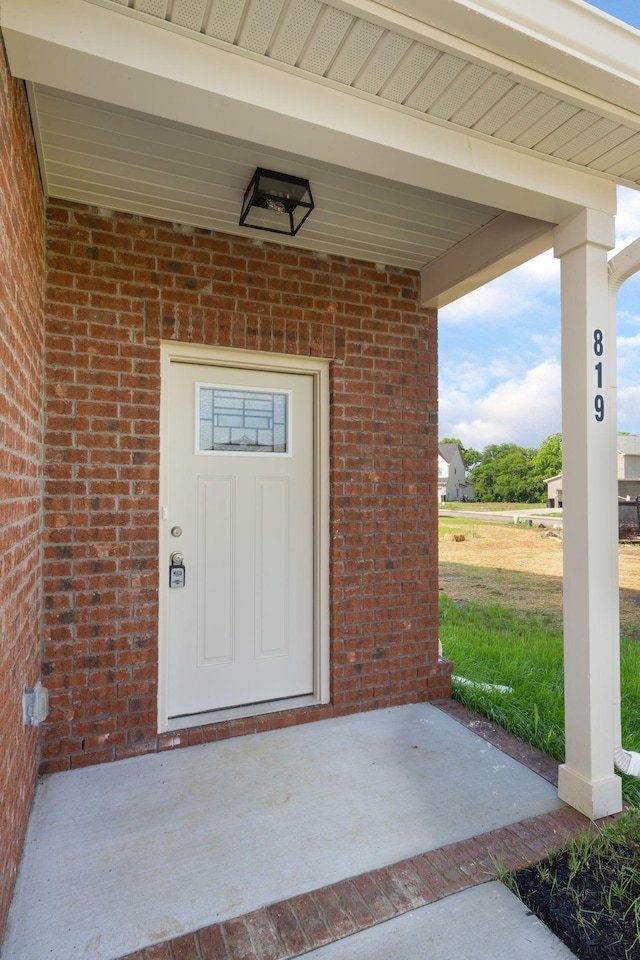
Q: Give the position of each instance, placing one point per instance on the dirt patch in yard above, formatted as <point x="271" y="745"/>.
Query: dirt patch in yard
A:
<point x="521" y="567"/>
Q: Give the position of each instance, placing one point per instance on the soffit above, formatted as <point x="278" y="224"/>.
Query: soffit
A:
<point x="569" y="40"/>
<point x="442" y="78"/>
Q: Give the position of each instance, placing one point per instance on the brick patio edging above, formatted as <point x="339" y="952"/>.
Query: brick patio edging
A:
<point x="293" y="927"/>
<point x="531" y="757"/>
<point x="302" y="923"/>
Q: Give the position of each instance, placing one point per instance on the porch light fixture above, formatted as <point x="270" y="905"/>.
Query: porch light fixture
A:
<point x="276" y="202"/>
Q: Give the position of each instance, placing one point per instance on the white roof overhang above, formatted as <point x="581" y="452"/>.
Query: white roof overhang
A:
<point x="426" y="146"/>
<point x="570" y="43"/>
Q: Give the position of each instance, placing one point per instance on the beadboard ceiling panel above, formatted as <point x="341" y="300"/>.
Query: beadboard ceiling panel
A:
<point x="328" y="42"/>
<point x="117" y="159"/>
<point x="373" y="105"/>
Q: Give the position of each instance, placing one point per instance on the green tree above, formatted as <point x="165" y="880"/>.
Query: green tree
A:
<point x="548" y="461"/>
<point x="516" y="480"/>
<point x="483" y="474"/>
<point x="506" y="474"/>
<point x="471" y="457"/>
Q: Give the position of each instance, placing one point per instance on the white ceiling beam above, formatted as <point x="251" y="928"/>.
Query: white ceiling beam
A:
<point x="87" y="50"/>
<point x="505" y="243"/>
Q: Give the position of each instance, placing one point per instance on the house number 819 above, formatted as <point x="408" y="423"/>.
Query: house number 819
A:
<point x="598" y="350"/>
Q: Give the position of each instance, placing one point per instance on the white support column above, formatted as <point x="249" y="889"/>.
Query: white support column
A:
<point x="587" y="780"/>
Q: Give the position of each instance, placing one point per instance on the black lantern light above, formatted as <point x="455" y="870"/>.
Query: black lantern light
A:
<point x="276" y="202"/>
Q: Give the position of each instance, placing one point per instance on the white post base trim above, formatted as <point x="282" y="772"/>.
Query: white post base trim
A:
<point x="601" y="798"/>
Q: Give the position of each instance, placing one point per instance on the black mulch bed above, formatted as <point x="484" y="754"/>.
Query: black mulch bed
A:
<point x="575" y="907"/>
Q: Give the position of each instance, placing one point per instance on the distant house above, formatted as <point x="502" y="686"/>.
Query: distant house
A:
<point x="452" y="482"/>
<point x="628" y="464"/>
<point x="554" y="491"/>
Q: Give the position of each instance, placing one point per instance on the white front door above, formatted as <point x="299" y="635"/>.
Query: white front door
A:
<point x="241" y="514"/>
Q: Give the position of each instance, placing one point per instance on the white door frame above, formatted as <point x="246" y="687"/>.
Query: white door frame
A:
<point x="276" y="363"/>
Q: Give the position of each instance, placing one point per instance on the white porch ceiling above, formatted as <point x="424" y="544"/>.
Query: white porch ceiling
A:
<point x="424" y="150"/>
<point x="120" y="160"/>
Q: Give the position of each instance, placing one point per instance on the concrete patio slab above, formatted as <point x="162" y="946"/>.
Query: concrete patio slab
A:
<point x="481" y="923"/>
<point x="128" y="854"/>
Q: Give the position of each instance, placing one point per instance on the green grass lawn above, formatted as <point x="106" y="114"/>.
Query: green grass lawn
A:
<point x="523" y="650"/>
<point x="477" y="506"/>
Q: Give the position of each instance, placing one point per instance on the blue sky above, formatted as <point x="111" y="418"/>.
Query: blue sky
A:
<point x="627" y="10"/>
<point x="500" y="346"/>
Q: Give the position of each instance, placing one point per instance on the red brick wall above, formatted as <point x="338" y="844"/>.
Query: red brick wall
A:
<point x="21" y="385"/>
<point x="117" y="284"/>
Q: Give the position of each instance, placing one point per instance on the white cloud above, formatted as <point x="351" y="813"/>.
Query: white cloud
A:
<point x="628" y="391"/>
<point x="629" y="409"/>
<point x="521" y="410"/>
<point x="542" y="269"/>
<point x="627" y="318"/>
<point x="475" y="378"/>
<point x="628" y="217"/>
<point x="626" y="343"/>
<point x="515" y="294"/>
<point x="547" y="342"/>
<point x="492" y="302"/>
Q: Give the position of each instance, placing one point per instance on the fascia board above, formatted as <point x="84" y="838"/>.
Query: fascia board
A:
<point x="566" y="40"/>
<point x="81" y="48"/>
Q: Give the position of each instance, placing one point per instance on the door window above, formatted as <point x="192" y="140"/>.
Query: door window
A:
<point x="241" y="421"/>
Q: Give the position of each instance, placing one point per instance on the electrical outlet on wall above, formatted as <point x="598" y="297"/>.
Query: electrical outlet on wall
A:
<point x="35" y="705"/>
